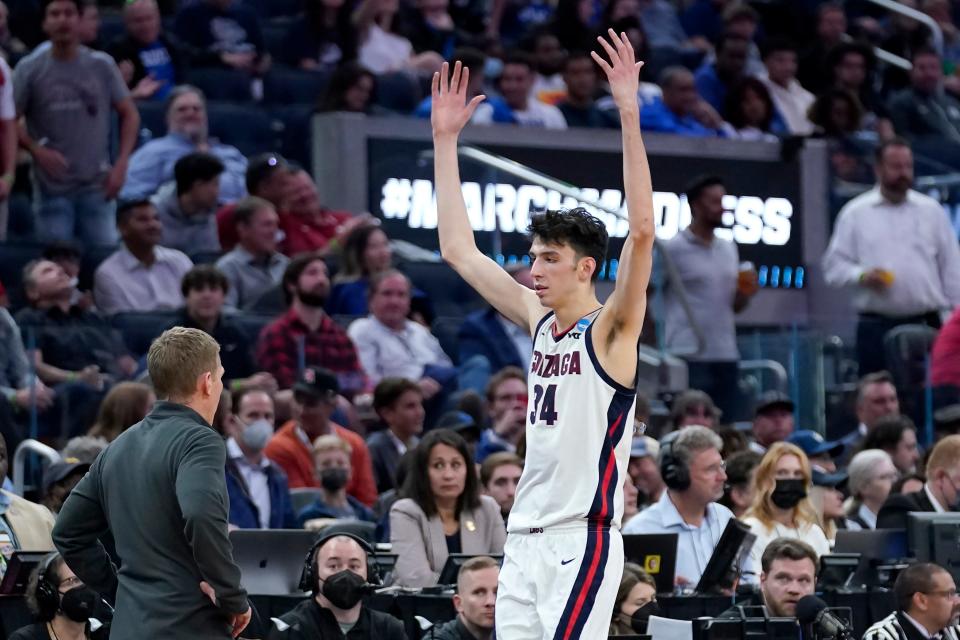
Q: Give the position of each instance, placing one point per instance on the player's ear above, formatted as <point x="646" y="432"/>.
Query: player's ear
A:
<point x="586" y="266"/>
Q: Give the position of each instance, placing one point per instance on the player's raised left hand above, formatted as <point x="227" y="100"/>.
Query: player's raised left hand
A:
<point x="623" y="70"/>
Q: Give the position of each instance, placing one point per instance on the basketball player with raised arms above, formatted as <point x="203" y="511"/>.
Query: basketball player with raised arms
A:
<point x="564" y="554"/>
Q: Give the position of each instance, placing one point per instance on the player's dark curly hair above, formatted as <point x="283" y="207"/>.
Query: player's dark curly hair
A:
<point x="585" y="233"/>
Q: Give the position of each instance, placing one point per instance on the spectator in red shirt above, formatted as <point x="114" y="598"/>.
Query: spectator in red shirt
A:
<point x="315" y="400"/>
<point x="308" y="225"/>
<point x="945" y="357"/>
<point x="267" y="177"/>
<point x="305" y="335"/>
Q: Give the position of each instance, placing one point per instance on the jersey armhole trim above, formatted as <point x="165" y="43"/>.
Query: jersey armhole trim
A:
<point x="540" y="325"/>
<point x="619" y="388"/>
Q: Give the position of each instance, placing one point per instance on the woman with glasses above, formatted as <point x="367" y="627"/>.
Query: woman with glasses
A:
<point x="61" y="604"/>
<point x="872" y="474"/>
<point x="781" y="508"/>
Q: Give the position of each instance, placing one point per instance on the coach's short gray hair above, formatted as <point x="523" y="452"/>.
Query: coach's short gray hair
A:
<point x="863" y="468"/>
<point x="692" y="440"/>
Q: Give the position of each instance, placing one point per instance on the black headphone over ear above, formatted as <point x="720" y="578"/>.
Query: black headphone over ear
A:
<point x="310" y="581"/>
<point x="674" y="471"/>
<point x="48" y="593"/>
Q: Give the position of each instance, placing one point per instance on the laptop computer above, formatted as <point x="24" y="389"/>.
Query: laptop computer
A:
<point x="271" y="560"/>
<point x="451" y="569"/>
<point x="657" y="554"/>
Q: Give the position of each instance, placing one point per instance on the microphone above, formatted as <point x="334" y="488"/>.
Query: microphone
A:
<point x="813" y="610"/>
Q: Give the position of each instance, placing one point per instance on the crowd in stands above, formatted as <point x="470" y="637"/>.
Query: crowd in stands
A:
<point x="343" y="401"/>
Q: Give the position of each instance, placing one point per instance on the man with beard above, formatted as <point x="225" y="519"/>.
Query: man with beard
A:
<point x="788" y="573"/>
<point x="187" y="132"/>
<point x="305" y="335"/>
<point x="895" y="247"/>
<point x="706" y="262"/>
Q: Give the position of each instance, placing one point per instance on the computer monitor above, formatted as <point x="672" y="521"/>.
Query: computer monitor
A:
<point x="657" y="554"/>
<point x="728" y="556"/>
<point x="451" y="569"/>
<point x="739" y="629"/>
<point x="19" y="567"/>
<point x="877" y="549"/>
<point x="933" y="538"/>
<point x="837" y="571"/>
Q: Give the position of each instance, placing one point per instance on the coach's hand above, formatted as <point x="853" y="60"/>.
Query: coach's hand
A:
<point x="449" y="110"/>
<point x="240" y="621"/>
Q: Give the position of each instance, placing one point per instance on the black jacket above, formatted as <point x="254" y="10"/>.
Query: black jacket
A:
<point x="182" y="56"/>
<point x="453" y="630"/>
<point x="160" y="490"/>
<point x="893" y="513"/>
<point x="384" y="457"/>
<point x="310" y="621"/>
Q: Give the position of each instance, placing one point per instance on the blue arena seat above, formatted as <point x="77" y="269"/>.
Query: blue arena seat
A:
<point x="152" y="117"/>
<point x="251" y="324"/>
<point x="222" y="84"/>
<point x="295" y="134"/>
<point x="450" y="294"/>
<point x="285" y="86"/>
<point x="248" y="129"/>
<point x="399" y="91"/>
<point x="139" y="329"/>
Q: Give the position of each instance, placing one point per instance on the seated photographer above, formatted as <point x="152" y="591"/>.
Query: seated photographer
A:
<point x="475" y="602"/>
<point x="788" y="573"/>
<point x="636" y="602"/>
<point x="926" y="597"/>
<point x="338" y="573"/>
<point x="61" y="604"/>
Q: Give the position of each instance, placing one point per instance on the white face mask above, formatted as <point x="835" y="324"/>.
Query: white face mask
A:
<point x="256" y="435"/>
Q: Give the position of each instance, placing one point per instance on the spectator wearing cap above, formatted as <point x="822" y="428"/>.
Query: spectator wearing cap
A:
<point x="315" y="400"/>
<point x="141" y="275"/>
<point x="773" y="420"/>
<point x="254" y="267"/>
<point x="59" y="479"/>
<point x="331" y="456"/>
<point x="896" y="435"/>
<point x="256" y="486"/>
<point x="187" y="206"/>
<point x="694" y="407"/>
<point x="204" y="290"/>
<point x="228" y="28"/>
<point x="267" y="176"/>
<point x="821" y="453"/>
<point x="940" y="492"/>
<point x="66" y="94"/>
<point x="740" y="487"/>
<point x="151" y="166"/>
<point x="893" y="247"/>
<point x="507" y="406"/>
<point x="499" y="476"/>
<point x="872" y="475"/>
<point x="305" y="335"/>
<point x="24" y="525"/>
<point x="791" y="100"/>
<point x="707" y="270"/>
<point x="307" y="225"/>
<point x="826" y="496"/>
<point x="876" y="398"/>
<point x="399" y="403"/>
<point x="489" y="334"/>
<point x="151" y="61"/>
<point x="643" y="470"/>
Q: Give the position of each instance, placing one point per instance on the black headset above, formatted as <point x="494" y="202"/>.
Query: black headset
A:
<point x="48" y="592"/>
<point x="675" y="473"/>
<point x="310" y="581"/>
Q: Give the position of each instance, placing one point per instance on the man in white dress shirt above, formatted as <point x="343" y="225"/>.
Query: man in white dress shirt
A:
<point x="897" y="248"/>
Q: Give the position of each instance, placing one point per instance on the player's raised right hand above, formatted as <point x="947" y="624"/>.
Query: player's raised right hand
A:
<point x="450" y="111"/>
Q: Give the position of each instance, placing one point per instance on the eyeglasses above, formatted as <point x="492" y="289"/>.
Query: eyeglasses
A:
<point x="714" y="469"/>
<point x="946" y="593"/>
<point x="70" y="583"/>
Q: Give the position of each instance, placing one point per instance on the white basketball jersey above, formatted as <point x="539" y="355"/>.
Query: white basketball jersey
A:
<point x="579" y="432"/>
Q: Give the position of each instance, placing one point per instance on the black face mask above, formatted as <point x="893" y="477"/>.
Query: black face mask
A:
<point x="640" y="617"/>
<point x="344" y="589"/>
<point x="333" y="479"/>
<point x="78" y="603"/>
<point x="789" y="492"/>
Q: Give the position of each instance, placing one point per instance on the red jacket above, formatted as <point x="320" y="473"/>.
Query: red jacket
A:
<point x="296" y="459"/>
<point x="945" y="354"/>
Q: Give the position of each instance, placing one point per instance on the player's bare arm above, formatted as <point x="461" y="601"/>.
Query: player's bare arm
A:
<point x="618" y="326"/>
<point x="449" y="114"/>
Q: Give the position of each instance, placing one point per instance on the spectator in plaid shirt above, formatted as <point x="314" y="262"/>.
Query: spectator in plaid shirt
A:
<point x="305" y="335"/>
